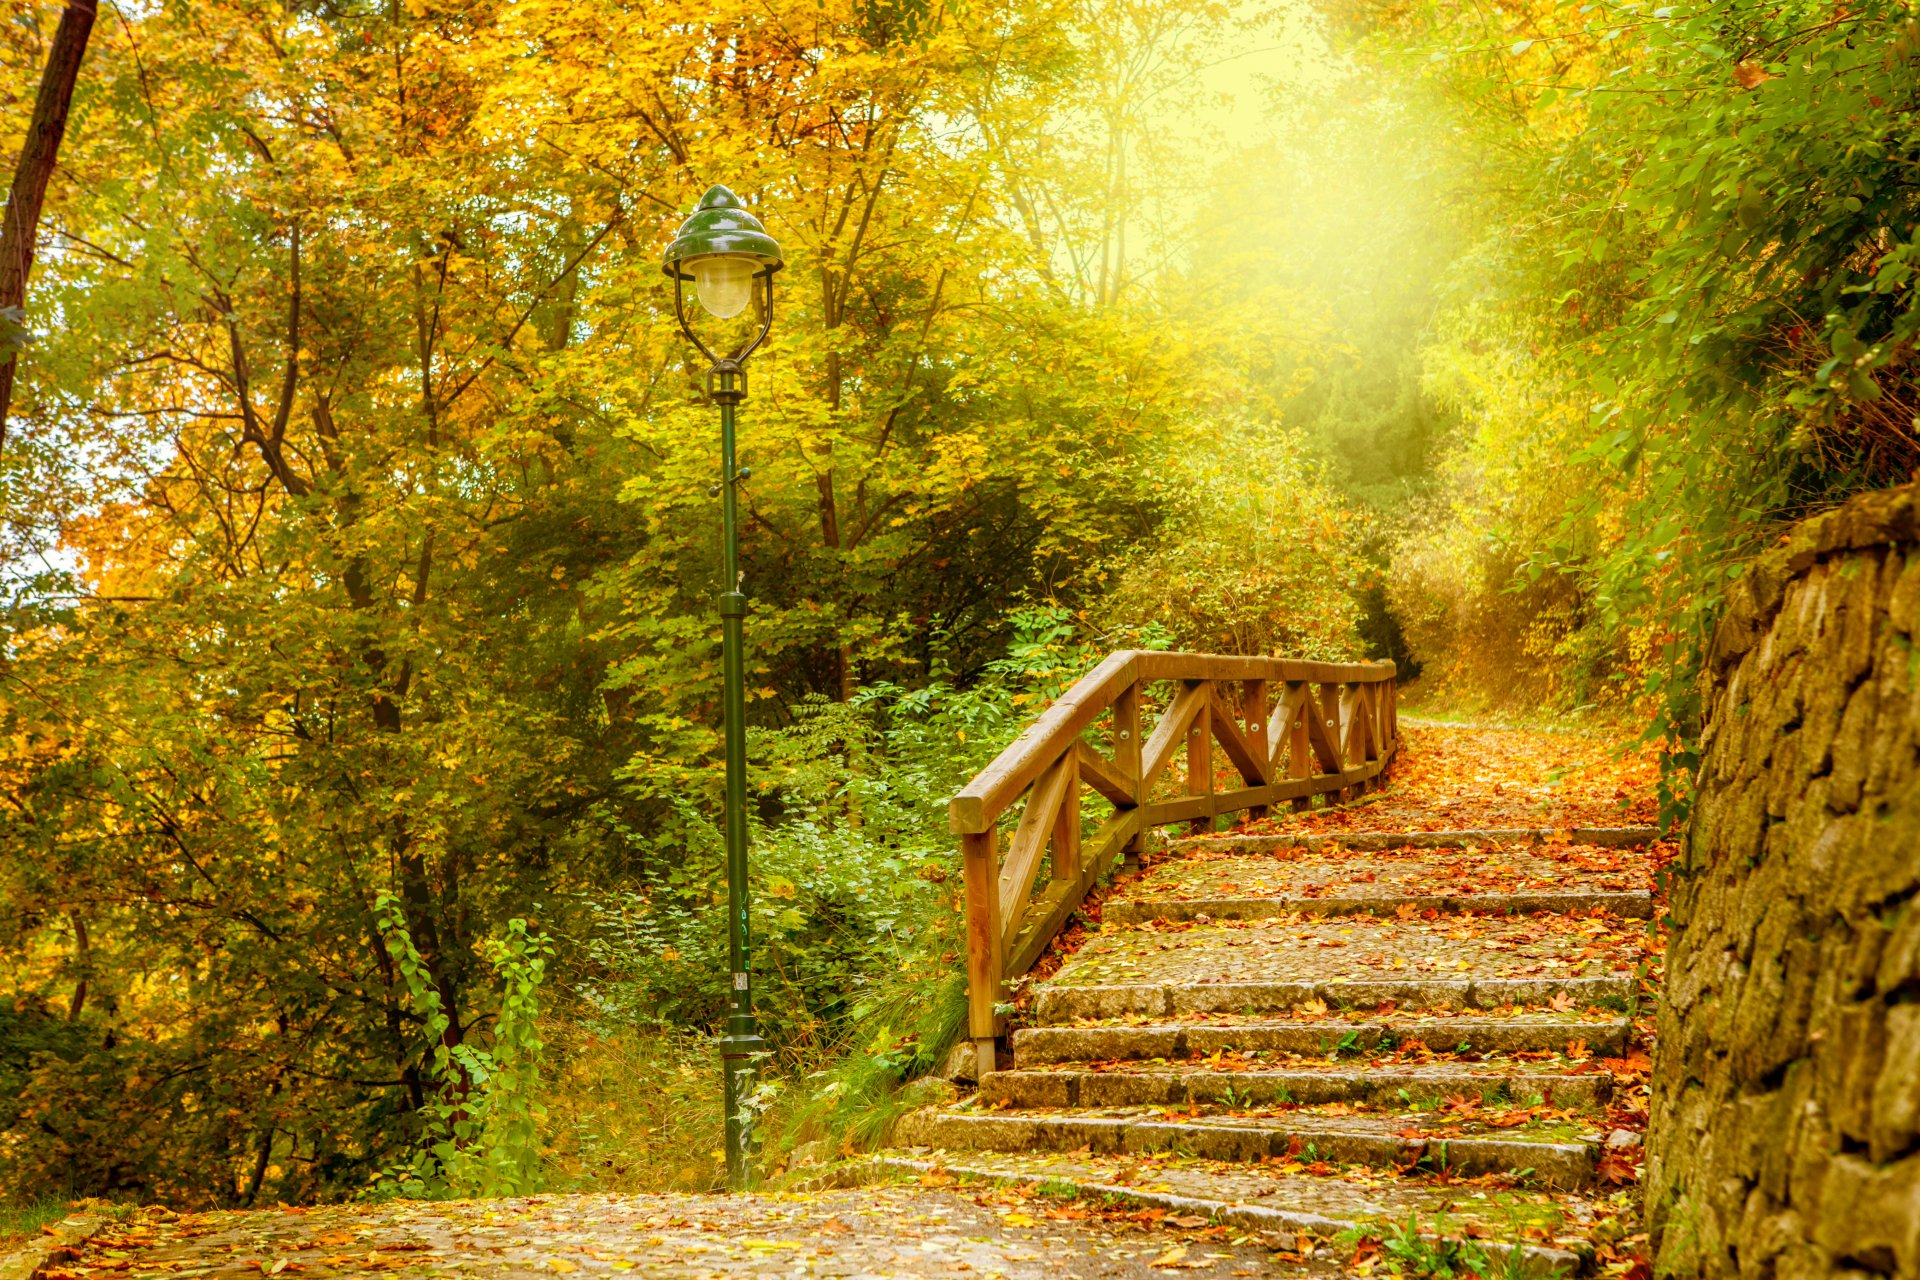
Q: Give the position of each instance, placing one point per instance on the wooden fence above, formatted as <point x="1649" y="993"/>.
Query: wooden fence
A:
<point x="1289" y="730"/>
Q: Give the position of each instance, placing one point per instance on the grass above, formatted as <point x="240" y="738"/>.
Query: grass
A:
<point x="1412" y="1249"/>
<point x="21" y="1221"/>
<point x="639" y="1111"/>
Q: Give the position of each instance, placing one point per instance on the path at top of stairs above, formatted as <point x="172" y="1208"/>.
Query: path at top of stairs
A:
<point x="1438" y="1035"/>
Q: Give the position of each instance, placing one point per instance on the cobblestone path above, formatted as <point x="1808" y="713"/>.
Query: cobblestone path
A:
<point x="901" y="1230"/>
<point x="1353" y="1024"/>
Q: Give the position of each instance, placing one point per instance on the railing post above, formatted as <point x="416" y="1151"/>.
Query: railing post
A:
<point x="1349" y="737"/>
<point x="986" y="945"/>
<point x="1393" y="711"/>
<point x="1200" y="759"/>
<point x="1352" y="730"/>
<point x="1377" y="720"/>
<point x="1328" y="710"/>
<point x="1299" y="744"/>
<point x="1065" y="861"/>
<point x="1253" y="708"/>
<point x="1126" y="758"/>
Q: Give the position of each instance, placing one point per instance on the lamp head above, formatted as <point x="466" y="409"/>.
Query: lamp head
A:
<point x="722" y="248"/>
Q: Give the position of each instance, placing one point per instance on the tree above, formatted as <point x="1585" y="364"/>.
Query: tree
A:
<point x="20" y="225"/>
<point x="370" y="483"/>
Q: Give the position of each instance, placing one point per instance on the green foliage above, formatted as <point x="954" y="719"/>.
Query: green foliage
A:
<point x="856" y="948"/>
<point x="481" y="1134"/>
<point x="1408" y="1249"/>
<point x="359" y="544"/>
<point x="630" y="1108"/>
<point x="1259" y="555"/>
<point x="23" y="1220"/>
<point x="1676" y="315"/>
<point x="1759" y="366"/>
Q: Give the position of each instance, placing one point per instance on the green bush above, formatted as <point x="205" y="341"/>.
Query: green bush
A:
<point x="481" y="1128"/>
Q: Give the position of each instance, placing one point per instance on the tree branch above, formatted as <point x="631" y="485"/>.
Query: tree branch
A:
<point x="21" y="224"/>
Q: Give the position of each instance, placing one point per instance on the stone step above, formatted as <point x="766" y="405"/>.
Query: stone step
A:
<point x="1402" y="1139"/>
<point x="1477" y="961"/>
<point x="1466" y="838"/>
<point x="1525" y="1033"/>
<point x="1260" y="1198"/>
<point x="1056" y="1005"/>
<point x="1403" y="880"/>
<point x="1627" y="904"/>
<point x="1307" y="1083"/>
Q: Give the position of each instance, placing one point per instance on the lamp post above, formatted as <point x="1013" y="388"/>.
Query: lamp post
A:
<point x="725" y="251"/>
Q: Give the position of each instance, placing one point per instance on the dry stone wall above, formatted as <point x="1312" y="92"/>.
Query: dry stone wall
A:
<point x="1785" y="1135"/>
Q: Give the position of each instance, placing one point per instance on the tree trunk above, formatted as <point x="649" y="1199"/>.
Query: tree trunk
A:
<point x="22" y="220"/>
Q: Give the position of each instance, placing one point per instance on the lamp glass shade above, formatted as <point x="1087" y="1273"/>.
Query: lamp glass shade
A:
<point x="719" y="228"/>
<point x="724" y="283"/>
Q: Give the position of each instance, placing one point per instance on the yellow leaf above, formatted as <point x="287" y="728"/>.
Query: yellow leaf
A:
<point x="561" y="1265"/>
<point x="1171" y="1258"/>
<point x="1020" y="1220"/>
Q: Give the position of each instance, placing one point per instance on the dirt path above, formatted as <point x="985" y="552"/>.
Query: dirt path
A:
<point x="1453" y="778"/>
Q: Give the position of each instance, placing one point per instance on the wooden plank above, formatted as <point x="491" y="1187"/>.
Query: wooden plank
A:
<point x="1253" y="713"/>
<point x="1200" y="751"/>
<point x="1126" y="736"/>
<point x="998" y="785"/>
<point x="1030" y="839"/>
<point x="1168" y="735"/>
<point x="1104" y="776"/>
<point x="1241" y="753"/>
<point x="1200" y="666"/>
<point x="1288" y="732"/>
<point x="1330" y="721"/>
<point x="1370" y="708"/>
<point x="1299" y="738"/>
<point x="986" y="955"/>
<point x="1322" y="720"/>
<point x="1388" y="695"/>
<point x="1050" y="913"/>
<point x="1355" y="740"/>
<point x="1127" y="744"/>
<point x="1187" y="808"/>
<point x="1253" y="706"/>
<point x="1215" y="666"/>
<point x="1066" y="824"/>
<point x="1048" y="916"/>
<point x="1051" y="758"/>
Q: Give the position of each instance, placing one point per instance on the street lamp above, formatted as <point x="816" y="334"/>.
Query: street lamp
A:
<point x="724" y="251"/>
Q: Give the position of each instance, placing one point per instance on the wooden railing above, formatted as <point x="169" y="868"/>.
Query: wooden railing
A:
<point x="1289" y="730"/>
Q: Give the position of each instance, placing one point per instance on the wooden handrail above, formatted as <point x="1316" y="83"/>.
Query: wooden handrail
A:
<point x="1291" y="730"/>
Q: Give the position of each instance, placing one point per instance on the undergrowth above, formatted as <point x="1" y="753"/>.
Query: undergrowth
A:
<point x="18" y="1221"/>
<point x="857" y="949"/>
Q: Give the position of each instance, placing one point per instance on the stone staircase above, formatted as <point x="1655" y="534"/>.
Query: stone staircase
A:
<point x="1426" y="1033"/>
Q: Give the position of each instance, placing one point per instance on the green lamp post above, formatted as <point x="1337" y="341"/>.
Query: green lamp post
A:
<point x="725" y="251"/>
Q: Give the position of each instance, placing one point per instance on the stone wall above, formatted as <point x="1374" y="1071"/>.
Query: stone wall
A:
<point x="1785" y="1135"/>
